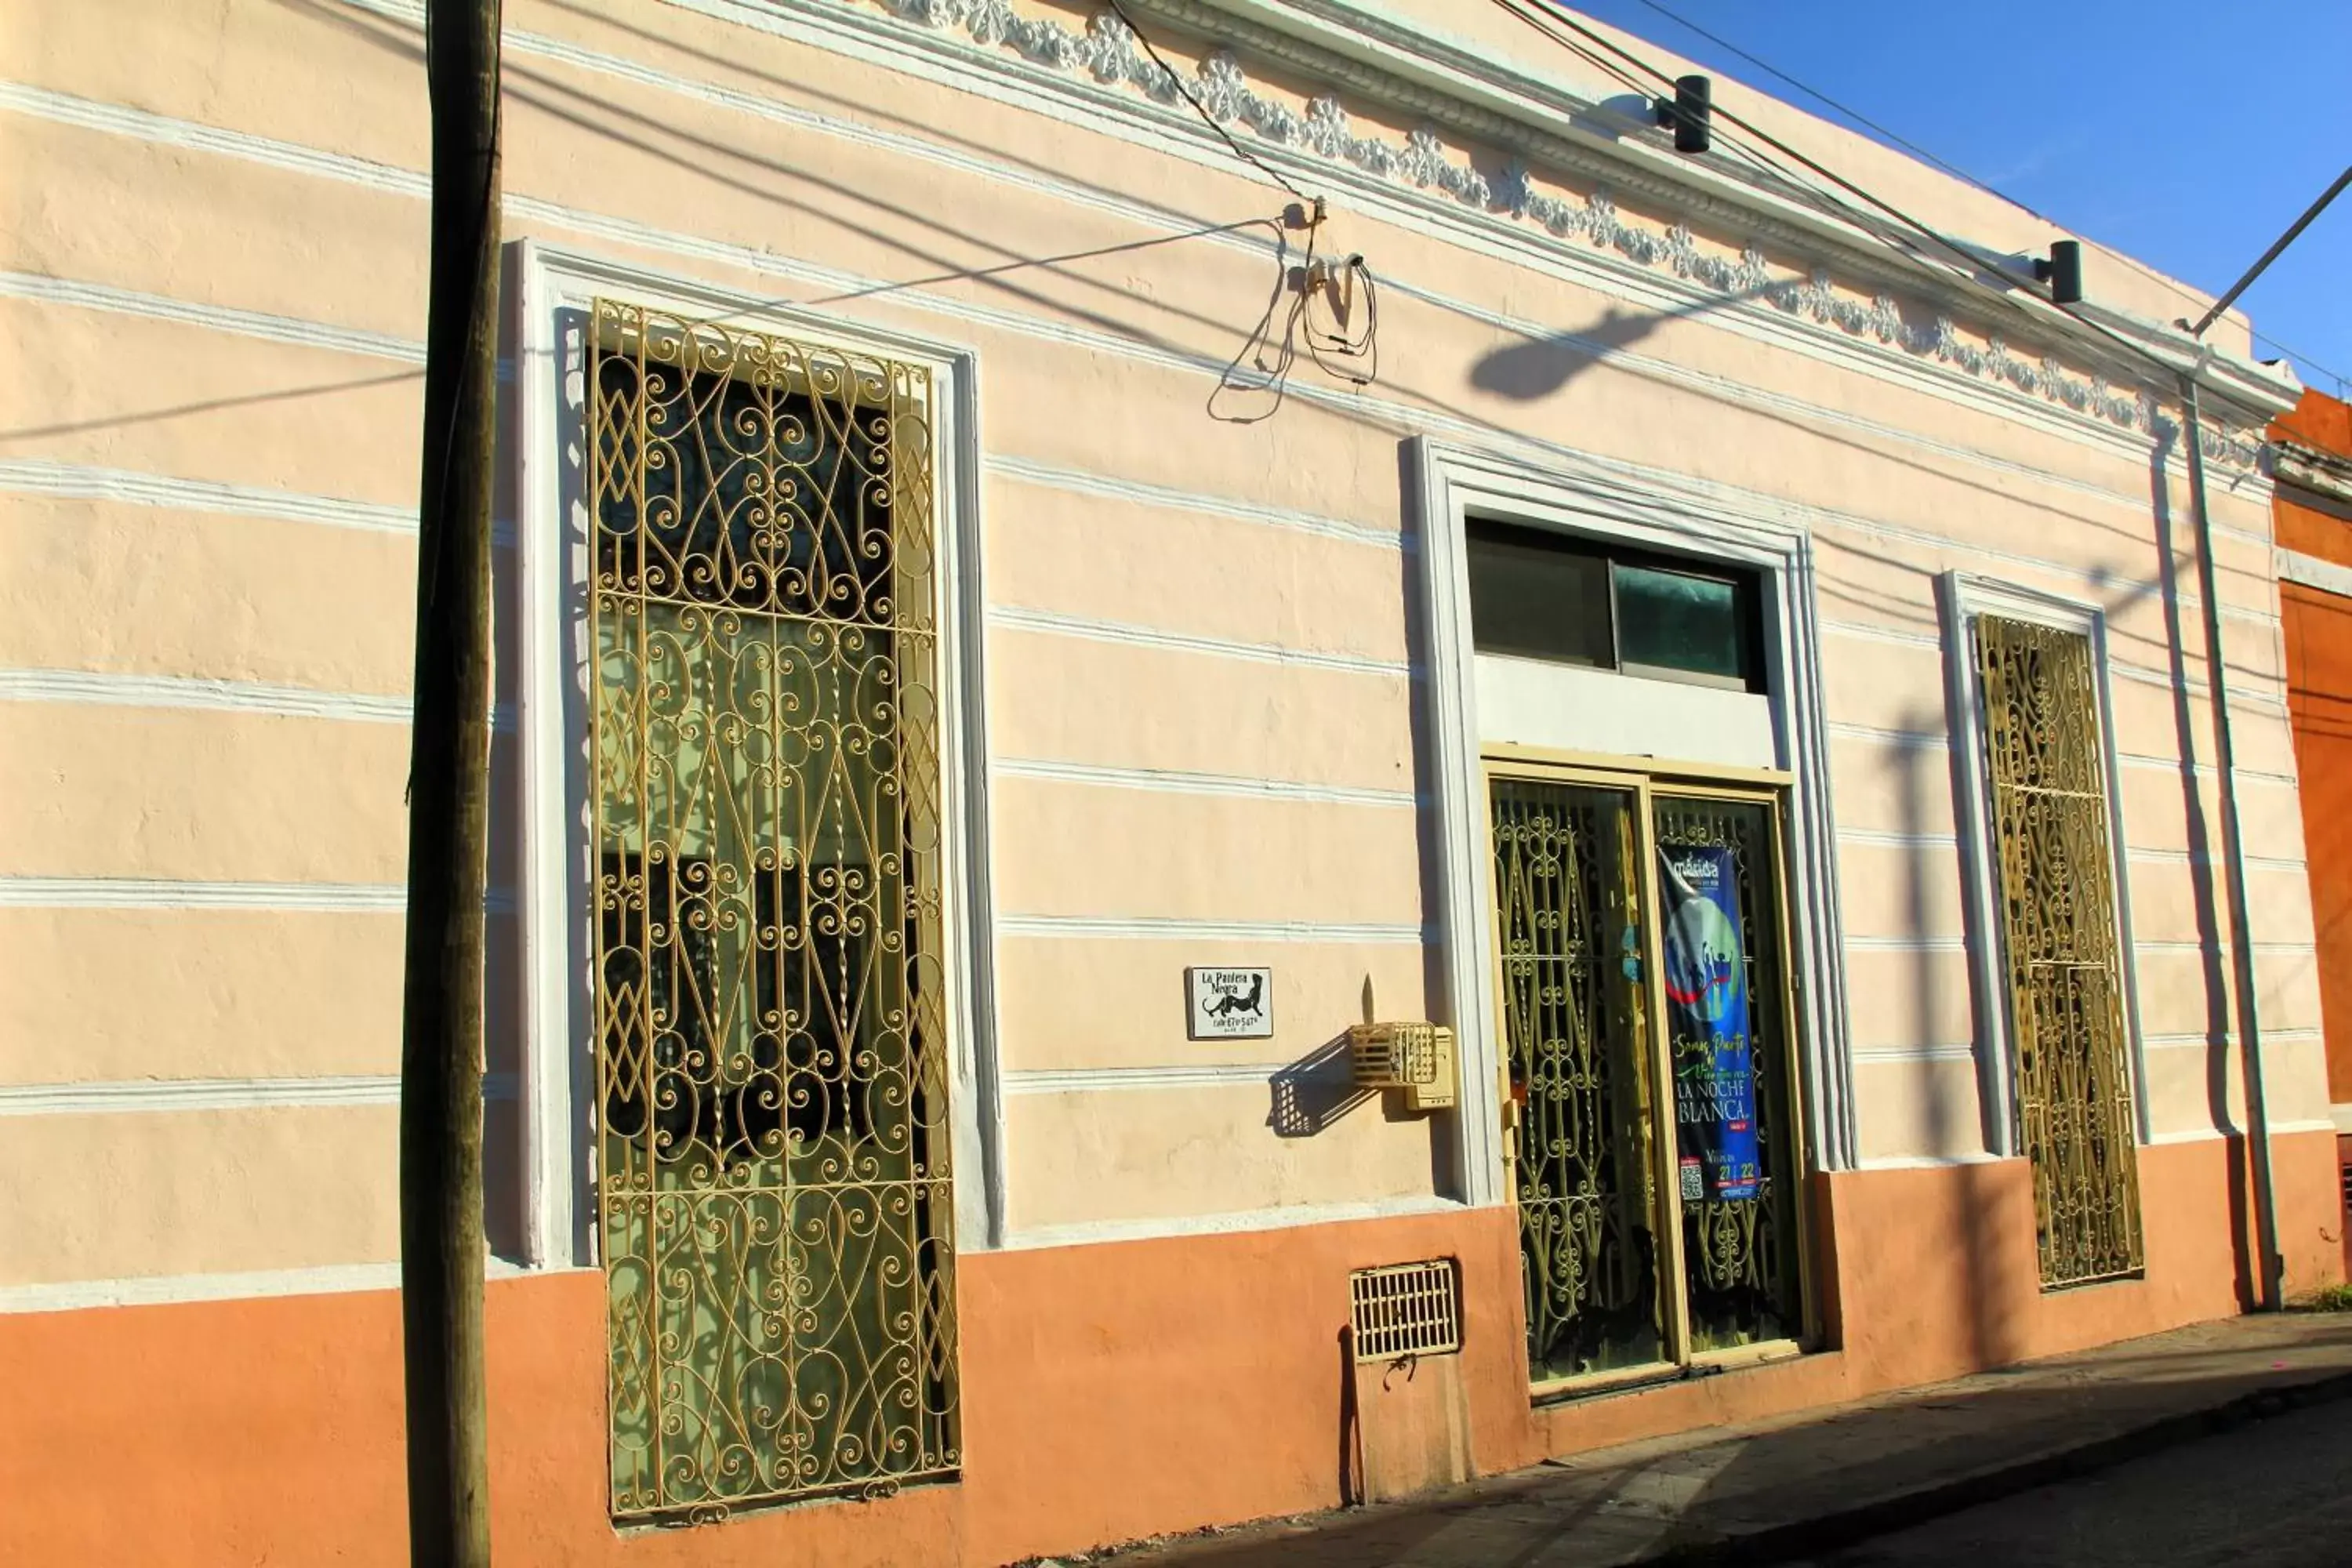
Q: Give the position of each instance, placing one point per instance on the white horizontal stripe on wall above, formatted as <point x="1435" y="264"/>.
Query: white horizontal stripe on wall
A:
<point x="1883" y="838"/>
<point x="1907" y="943"/>
<point x="138" y="125"/>
<point x="111" y="689"/>
<point x="2221" y="945"/>
<point x="1958" y="1053"/>
<point x="159" y="894"/>
<point x="1896" y="637"/>
<point x="1135" y="125"/>
<point x="1053" y="624"/>
<point x="152" y="1096"/>
<point x="1176" y="783"/>
<point x="36" y="286"/>
<point x="2149" y="762"/>
<point x="329" y="336"/>
<point x="2204" y="1039"/>
<point x="1093" y="1080"/>
<point x="162" y="1289"/>
<point x="1103" y="486"/>
<point x="77" y="481"/>
<point x="2211" y="858"/>
<point x="162" y="131"/>
<point x="1896" y="740"/>
<point x="1170" y="928"/>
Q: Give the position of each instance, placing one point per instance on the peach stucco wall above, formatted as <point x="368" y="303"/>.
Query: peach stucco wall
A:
<point x="239" y="281"/>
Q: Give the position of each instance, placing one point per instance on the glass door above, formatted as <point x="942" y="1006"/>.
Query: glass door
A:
<point x="1648" y="1045"/>
<point x="1725" y="1001"/>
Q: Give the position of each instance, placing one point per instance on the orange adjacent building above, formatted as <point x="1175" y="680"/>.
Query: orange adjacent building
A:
<point x="2312" y="463"/>
<point x="1132" y="785"/>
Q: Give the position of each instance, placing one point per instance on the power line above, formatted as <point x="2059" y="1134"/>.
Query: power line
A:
<point x="1965" y="264"/>
<point x="1953" y="169"/>
<point x="1853" y="114"/>
<point x="2337" y="376"/>
<point x="1179" y="83"/>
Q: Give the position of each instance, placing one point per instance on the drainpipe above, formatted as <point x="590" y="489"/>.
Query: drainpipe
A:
<point x="2268" y="1264"/>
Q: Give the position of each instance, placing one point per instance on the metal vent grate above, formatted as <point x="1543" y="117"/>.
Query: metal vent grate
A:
<point x="1406" y="1308"/>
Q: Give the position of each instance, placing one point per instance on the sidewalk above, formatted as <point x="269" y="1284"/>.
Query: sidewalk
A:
<point x="1814" y="1482"/>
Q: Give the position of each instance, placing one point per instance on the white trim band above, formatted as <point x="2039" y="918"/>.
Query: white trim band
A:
<point x="157" y="1096"/>
<point x="1173" y="782"/>
<point x="1172" y="928"/>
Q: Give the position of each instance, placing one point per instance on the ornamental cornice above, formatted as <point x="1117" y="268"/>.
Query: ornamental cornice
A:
<point x="2313" y="469"/>
<point x="1107" y="53"/>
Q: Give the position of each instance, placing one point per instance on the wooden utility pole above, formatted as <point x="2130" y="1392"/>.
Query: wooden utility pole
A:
<point x="448" y="810"/>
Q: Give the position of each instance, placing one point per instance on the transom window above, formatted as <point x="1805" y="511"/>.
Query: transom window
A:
<point x="1538" y="594"/>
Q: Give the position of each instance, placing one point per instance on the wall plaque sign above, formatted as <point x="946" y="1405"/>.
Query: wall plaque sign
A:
<point x="1231" y="1004"/>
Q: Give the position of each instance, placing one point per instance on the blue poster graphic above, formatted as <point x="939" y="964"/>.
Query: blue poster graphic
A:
<point x="1708" y="1024"/>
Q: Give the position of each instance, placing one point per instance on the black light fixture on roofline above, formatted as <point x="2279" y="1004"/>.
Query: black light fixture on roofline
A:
<point x="1689" y="111"/>
<point x="2062" y="271"/>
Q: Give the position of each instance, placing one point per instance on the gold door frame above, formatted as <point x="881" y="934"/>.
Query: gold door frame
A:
<point x="1646" y="784"/>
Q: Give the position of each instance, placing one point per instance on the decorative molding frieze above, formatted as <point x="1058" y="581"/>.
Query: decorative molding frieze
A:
<point x="1107" y="53"/>
<point x="2323" y="472"/>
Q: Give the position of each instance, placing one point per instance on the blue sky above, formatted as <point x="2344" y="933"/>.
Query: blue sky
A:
<point x="2185" y="133"/>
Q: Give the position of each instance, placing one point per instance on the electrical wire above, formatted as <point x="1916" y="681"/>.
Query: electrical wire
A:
<point x="1969" y="271"/>
<point x="1185" y="87"/>
<point x="1913" y="148"/>
<point x="1853" y="114"/>
<point x="1353" y="359"/>
<point x="2338" y="377"/>
<point x="1965" y="264"/>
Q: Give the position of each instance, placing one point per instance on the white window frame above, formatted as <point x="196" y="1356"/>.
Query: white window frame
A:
<point x="1453" y="482"/>
<point x="1961" y="597"/>
<point x="553" y="289"/>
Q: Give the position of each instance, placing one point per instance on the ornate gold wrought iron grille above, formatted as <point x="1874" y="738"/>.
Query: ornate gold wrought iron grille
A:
<point x="774" y="1186"/>
<point x="2045" y="767"/>
<point x="1573" y="1018"/>
<point x="1740" y="1254"/>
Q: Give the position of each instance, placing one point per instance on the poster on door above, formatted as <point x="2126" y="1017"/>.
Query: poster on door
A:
<point x="1707" y="1023"/>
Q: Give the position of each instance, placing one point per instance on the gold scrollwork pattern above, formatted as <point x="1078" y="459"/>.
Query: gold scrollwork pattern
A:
<point x="1739" y="1255"/>
<point x="774" y="1189"/>
<point x="1570" y="968"/>
<point x="2045" y="765"/>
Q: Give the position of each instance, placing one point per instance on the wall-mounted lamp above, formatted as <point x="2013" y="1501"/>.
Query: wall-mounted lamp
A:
<point x="2063" y="271"/>
<point x="1689" y="111"/>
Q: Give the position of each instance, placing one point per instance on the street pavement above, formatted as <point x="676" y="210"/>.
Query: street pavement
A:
<point x="2231" y="1439"/>
<point x="2278" y="1492"/>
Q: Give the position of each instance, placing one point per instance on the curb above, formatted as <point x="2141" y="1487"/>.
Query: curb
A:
<point x="1901" y="1510"/>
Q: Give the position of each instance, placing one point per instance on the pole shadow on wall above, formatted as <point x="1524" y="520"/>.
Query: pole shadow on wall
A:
<point x="2204" y="905"/>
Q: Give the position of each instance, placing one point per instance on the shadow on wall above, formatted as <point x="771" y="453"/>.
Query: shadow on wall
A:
<point x="1315" y="1092"/>
<point x="2205" y="905"/>
<point x="1985" y="1257"/>
<point x="1538" y="367"/>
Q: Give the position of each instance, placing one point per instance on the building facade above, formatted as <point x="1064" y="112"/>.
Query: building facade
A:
<point x="1227" y="761"/>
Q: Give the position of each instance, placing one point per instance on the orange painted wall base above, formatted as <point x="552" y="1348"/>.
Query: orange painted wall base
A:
<point x="1110" y="1392"/>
